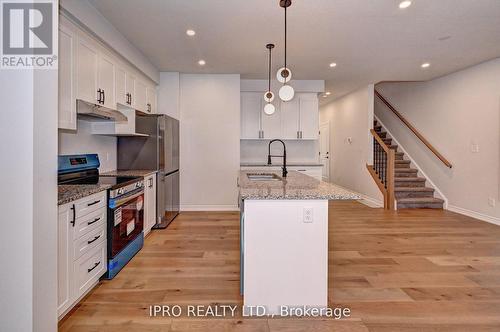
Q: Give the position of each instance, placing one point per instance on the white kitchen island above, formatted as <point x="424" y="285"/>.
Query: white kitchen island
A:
<point x="284" y="240"/>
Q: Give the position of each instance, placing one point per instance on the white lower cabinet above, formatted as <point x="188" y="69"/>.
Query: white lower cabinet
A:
<point x="81" y="248"/>
<point x="149" y="202"/>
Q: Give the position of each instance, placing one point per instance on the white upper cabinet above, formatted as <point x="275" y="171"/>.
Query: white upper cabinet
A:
<point x="309" y="116"/>
<point x="67" y="100"/>
<point x="151" y="100"/>
<point x="106" y="80"/>
<point x="130" y="88"/>
<point x="295" y="119"/>
<point x="87" y="58"/>
<point x="251" y="110"/>
<point x="290" y="119"/>
<point x="140" y="96"/>
<point x="271" y="124"/>
<point x="121" y="86"/>
<point x="91" y="72"/>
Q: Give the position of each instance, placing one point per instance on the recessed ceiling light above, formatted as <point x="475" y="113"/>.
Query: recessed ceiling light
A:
<point x="404" y="4"/>
<point x="190" y="33"/>
<point x="425" y="65"/>
<point x="201" y="62"/>
<point x="328" y="93"/>
<point x="324" y="96"/>
<point x="333" y="64"/>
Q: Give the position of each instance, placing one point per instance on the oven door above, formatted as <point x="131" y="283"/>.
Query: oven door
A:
<point x="125" y="222"/>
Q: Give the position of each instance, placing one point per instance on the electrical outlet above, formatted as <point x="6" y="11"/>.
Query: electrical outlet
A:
<point x="491" y="202"/>
<point x="308" y="215"/>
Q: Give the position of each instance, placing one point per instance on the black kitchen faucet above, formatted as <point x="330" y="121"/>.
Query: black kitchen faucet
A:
<point x="269" y="156"/>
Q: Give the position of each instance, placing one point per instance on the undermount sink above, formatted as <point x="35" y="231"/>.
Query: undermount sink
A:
<point x="263" y="177"/>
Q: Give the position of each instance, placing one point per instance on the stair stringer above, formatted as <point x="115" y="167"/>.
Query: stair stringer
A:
<point x="437" y="192"/>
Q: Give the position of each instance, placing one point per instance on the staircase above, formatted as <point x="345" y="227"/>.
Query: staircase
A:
<point x="409" y="189"/>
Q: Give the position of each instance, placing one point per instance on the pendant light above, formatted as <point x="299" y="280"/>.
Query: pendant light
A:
<point x="269" y="95"/>
<point x="284" y="74"/>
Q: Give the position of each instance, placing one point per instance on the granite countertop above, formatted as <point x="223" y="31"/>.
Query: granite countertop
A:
<point x="295" y="186"/>
<point x="292" y="164"/>
<point x="132" y="172"/>
<point x="70" y="192"/>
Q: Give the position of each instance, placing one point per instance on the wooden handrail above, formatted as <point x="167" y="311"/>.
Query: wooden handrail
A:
<point x="414" y="130"/>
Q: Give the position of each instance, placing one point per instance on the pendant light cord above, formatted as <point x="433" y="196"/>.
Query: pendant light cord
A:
<point x="269" y="88"/>
<point x="285" y="40"/>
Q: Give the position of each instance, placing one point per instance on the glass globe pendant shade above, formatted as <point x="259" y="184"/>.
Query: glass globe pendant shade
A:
<point x="286" y="93"/>
<point x="269" y="109"/>
<point x="284" y="75"/>
<point x="269" y="96"/>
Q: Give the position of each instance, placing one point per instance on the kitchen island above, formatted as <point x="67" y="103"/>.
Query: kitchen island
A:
<point x="284" y="240"/>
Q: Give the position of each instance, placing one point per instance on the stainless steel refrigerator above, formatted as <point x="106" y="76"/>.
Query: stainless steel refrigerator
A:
<point x="158" y="151"/>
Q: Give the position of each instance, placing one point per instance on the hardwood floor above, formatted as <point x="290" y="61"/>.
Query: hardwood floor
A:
<point x="412" y="270"/>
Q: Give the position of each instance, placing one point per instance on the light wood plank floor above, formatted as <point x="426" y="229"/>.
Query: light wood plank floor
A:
<point x="412" y="270"/>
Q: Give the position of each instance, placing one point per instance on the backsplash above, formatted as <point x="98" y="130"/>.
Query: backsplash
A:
<point x="83" y="141"/>
<point x="255" y="151"/>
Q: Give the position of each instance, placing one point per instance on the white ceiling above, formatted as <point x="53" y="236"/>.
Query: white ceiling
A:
<point x="370" y="40"/>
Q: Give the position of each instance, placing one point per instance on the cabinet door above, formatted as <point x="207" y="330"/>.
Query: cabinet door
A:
<point x="152" y="201"/>
<point x="290" y="116"/>
<point x="131" y="88"/>
<point x="106" y="81"/>
<point x="251" y="110"/>
<point x="86" y="69"/>
<point x="309" y="116"/>
<point x="271" y="124"/>
<point x="140" y="96"/>
<point x="121" y="86"/>
<point x="64" y="258"/>
<point x="151" y="99"/>
<point x="67" y="100"/>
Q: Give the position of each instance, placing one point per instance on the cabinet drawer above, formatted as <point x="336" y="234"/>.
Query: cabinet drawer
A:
<point x="89" y="268"/>
<point x="90" y="241"/>
<point x="315" y="172"/>
<point x="89" y="204"/>
<point x="89" y="222"/>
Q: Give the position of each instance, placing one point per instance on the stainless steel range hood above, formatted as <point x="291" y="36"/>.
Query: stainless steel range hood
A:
<point x="94" y="112"/>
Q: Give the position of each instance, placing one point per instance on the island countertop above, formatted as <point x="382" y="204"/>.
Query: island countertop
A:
<point x="295" y="186"/>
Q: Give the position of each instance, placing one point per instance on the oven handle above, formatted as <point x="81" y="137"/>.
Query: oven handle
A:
<point x="119" y="202"/>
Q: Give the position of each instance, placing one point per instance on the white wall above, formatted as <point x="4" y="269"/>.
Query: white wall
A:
<point x="454" y="113"/>
<point x="168" y="94"/>
<point x="82" y="141"/>
<point x="351" y="117"/>
<point x="28" y="196"/>
<point x="209" y="141"/>
<point x="255" y="151"/>
<point x="92" y="19"/>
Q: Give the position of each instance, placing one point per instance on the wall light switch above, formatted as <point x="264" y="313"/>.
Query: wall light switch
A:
<point x="491" y="202"/>
<point x="474" y="147"/>
<point x="308" y="215"/>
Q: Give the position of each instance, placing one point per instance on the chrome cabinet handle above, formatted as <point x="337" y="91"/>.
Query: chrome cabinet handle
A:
<point x="95" y="265"/>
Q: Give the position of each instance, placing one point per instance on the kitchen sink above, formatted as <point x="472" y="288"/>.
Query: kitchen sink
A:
<point x="263" y="177"/>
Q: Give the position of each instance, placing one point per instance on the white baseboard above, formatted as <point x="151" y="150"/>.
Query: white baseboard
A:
<point x="188" y="208"/>
<point x="366" y="200"/>
<point x="474" y="214"/>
